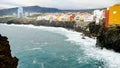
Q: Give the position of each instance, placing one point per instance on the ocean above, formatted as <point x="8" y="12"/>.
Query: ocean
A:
<point x="56" y="47"/>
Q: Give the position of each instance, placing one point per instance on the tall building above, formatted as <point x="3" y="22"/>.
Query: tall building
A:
<point x="20" y="12"/>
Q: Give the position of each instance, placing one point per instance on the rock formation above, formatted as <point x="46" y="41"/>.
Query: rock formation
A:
<point x="109" y="38"/>
<point x="6" y="60"/>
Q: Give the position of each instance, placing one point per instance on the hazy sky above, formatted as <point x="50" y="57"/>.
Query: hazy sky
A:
<point x="61" y="4"/>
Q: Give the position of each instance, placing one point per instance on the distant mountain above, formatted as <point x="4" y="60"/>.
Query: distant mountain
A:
<point x="38" y="9"/>
<point x="8" y="11"/>
<point x="28" y="9"/>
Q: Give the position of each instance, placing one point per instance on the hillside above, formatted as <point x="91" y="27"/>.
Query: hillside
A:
<point x="39" y="9"/>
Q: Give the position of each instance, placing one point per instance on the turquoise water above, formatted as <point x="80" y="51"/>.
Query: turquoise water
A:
<point x="49" y="47"/>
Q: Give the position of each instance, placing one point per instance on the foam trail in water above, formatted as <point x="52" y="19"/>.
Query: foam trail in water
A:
<point x="34" y="49"/>
<point x="88" y="45"/>
<point x="42" y="65"/>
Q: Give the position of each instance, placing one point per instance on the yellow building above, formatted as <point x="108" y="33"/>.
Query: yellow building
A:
<point x="82" y="16"/>
<point x="114" y="14"/>
<point x="57" y="17"/>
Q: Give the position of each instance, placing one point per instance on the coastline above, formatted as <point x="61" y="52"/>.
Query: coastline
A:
<point x="91" y="30"/>
<point x="85" y="27"/>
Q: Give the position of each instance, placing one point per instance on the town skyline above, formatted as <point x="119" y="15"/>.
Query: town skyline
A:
<point x="66" y="4"/>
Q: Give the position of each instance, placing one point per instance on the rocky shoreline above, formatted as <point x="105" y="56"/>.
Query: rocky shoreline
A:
<point x="65" y="24"/>
<point x="109" y="38"/>
<point x="106" y="37"/>
<point x="6" y="59"/>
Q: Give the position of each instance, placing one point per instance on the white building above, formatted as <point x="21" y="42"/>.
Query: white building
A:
<point x="45" y="17"/>
<point x="88" y="17"/>
<point x="20" y="12"/>
<point x="98" y="16"/>
<point x="77" y="18"/>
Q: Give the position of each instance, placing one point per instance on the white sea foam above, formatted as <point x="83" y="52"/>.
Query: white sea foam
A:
<point x="34" y="61"/>
<point x="34" y="49"/>
<point x="88" y="45"/>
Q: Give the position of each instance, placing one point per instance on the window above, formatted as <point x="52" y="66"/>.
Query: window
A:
<point x="114" y="12"/>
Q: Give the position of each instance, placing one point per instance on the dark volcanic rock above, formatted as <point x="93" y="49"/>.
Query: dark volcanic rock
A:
<point x="109" y="38"/>
<point x="93" y="28"/>
<point x="65" y="24"/>
<point x="6" y="60"/>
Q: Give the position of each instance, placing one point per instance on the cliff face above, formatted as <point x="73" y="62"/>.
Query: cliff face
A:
<point x="109" y="38"/>
<point x="6" y="60"/>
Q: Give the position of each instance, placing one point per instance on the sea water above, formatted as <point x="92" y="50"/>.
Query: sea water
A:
<point x="55" y="47"/>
